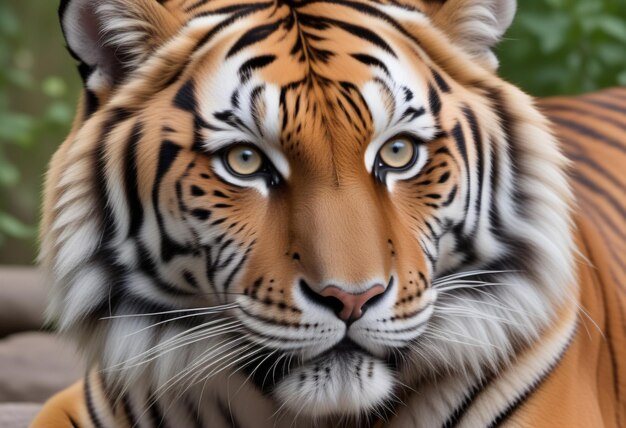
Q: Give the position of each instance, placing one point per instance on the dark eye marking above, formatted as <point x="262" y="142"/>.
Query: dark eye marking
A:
<point x="201" y="214"/>
<point x="197" y="191"/>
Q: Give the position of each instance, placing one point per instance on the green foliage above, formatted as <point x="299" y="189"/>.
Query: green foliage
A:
<point x="554" y="47"/>
<point x="35" y="107"/>
<point x="566" y="46"/>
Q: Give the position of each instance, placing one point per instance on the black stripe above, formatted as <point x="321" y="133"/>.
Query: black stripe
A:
<point x="441" y="83"/>
<point x="512" y="407"/>
<point x="597" y="191"/>
<point x="434" y="101"/>
<point x="514" y="144"/>
<point x="241" y="10"/>
<point x="605" y="104"/>
<point x="589" y="132"/>
<point x="196" y="5"/>
<point x="256" y="104"/>
<point x="156" y="415"/>
<point x="459" y="139"/>
<point x="248" y="67"/>
<point x="133" y="200"/>
<point x="236" y="269"/>
<point x="73" y="422"/>
<point x="227" y="415"/>
<point x="128" y="409"/>
<point x="194" y="414"/>
<point x="352" y="89"/>
<point x="554" y="108"/>
<point x="478" y="143"/>
<point x="606" y="222"/>
<point x="459" y="411"/>
<point x="91" y="103"/>
<point x="412" y="113"/>
<point x="90" y="404"/>
<point x="371" y="61"/>
<point x="254" y="35"/>
<point x="495" y="218"/>
<point x="168" y="153"/>
<point x="107" y="217"/>
<point x="185" y="98"/>
<point x="367" y="9"/>
<point x="149" y="267"/>
<point x="347" y="89"/>
<point x="601" y="192"/>
<point x="322" y="23"/>
<point x="581" y="156"/>
<point x="617" y="93"/>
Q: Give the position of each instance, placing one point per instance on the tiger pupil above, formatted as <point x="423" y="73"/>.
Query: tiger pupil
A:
<point x="398" y="147"/>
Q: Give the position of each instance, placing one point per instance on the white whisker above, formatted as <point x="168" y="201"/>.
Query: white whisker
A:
<point x="218" y="308"/>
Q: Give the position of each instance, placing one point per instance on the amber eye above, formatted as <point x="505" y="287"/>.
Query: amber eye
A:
<point x="397" y="153"/>
<point x="244" y="160"/>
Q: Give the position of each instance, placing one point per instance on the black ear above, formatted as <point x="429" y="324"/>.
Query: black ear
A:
<point x="474" y="25"/>
<point x="110" y="38"/>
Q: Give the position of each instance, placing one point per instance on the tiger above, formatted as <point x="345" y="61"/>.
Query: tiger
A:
<point x="326" y="213"/>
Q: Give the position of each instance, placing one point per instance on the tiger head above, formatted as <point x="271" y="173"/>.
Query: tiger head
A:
<point x="336" y="199"/>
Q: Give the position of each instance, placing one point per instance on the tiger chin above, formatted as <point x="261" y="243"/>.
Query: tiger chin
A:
<point x="307" y="213"/>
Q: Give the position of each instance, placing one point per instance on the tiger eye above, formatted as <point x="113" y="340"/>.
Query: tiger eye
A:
<point x="244" y="160"/>
<point x="397" y="152"/>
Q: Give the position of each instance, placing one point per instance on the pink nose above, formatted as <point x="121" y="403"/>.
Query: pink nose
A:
<point x="352" y="303"/>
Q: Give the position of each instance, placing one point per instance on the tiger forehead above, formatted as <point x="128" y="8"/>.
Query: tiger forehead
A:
<point x="287" y="43"/>
<point x="297" y="79"/>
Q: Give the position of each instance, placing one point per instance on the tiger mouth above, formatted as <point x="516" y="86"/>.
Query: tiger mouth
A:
<point x="347" y="345"/>
<point x="266" y="372"/>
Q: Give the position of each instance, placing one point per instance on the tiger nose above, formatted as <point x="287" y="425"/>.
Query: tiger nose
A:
<point x="352" y="305"/>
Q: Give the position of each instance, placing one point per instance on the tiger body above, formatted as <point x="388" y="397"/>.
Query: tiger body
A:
<point x="204" y="296"/>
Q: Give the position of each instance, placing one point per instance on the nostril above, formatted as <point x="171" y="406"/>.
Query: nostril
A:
<point x="348" y="306"/>
<point x="328" y="301"/>
<point x="331" y="302"/>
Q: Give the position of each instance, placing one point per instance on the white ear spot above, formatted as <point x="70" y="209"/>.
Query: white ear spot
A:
<point x="504" y="11"/>
<point x="114" y="36"/>
<point x="476" y="25"/>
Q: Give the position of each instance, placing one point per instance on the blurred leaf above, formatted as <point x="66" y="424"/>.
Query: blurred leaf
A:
<point x="611" y="53"/>
<point x="59" y="113"/>
<point x="9" y="174"/>
<point x="565" y="46"/>
<point x="11" y="226"/>
<point x="9" y="24"/>
<point x="615" y="27"/>
<point x="19" y="78"/>
<point x="551" y="30"/>
<point x="54" y="87"/>
<point x="586" y="8"/>
<point x="16" y="128"/>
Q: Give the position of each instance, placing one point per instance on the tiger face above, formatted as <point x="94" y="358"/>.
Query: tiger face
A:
<point x="323" y="196"/>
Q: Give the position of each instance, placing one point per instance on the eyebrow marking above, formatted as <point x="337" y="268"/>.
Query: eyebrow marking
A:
<point x="371" y="61"/>
<point x="258" y="62"/>
<point x="254" y="35"/>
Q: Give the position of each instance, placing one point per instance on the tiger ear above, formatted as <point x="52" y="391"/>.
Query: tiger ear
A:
<point x="475" y="25"/>
<point x="110" y="38"/>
